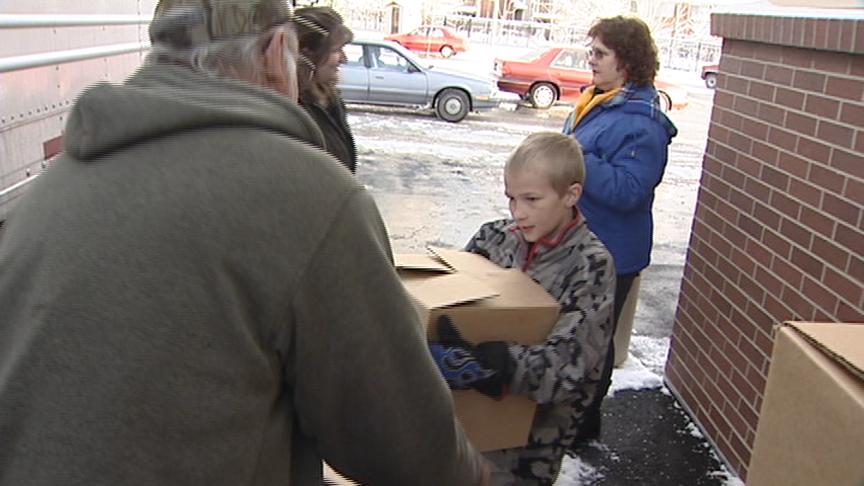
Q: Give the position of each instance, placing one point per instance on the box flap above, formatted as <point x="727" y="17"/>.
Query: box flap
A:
<point x="514" y="287"/>
<point x="837" y="341"/>
<point x="409" y="261"/>
<point x="447" y="290"/>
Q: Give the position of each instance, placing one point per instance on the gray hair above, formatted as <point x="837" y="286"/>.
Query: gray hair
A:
<point x="177" y="39"/>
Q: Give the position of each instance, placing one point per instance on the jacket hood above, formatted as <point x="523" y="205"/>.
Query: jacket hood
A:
<point x="161" y="99"/>
<point x="641" y="100"/>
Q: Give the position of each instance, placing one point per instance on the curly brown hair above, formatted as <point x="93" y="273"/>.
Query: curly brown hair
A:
<point x="630" y="39"/>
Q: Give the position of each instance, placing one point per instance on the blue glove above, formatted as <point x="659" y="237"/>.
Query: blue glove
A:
<point x="486" y="367"/>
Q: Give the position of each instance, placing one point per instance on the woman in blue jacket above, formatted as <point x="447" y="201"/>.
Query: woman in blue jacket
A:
<point x="625" y="138"/>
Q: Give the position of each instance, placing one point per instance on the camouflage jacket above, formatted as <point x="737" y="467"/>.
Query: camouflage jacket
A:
<point x="561" y="375"/>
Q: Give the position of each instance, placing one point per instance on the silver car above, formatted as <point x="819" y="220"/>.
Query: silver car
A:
<point x="385" y="73"/>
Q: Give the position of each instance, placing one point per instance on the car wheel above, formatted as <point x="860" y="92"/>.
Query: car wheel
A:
<point x="665" y="101"/>
<point x="711" y="80"/>
<point x="542" y="95"/>
<point x="452" y="106"/>
<point x="447" y="51"/>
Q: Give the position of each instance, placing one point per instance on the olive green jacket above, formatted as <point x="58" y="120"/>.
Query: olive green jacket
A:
<point x="194" y="294"/>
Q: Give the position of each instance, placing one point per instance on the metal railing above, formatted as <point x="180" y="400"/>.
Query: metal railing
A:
<point x="28" y="21"/>
<point x="29" y="61"/>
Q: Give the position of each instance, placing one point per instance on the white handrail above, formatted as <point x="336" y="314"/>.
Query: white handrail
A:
<point x="18" y="184"/>
<point x="27" y="21"/>
<point x="29" y="61"/>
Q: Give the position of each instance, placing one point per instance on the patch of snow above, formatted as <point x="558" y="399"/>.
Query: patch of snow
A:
<point x="576" y="472"/>
<point x="633" y="375"/>
<point x="694" y="431"/>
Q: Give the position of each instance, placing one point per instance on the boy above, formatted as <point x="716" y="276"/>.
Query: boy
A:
<point x="548" y="239"/>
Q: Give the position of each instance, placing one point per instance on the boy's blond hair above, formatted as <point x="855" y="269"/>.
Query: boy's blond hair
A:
<point x="557" y="155"/>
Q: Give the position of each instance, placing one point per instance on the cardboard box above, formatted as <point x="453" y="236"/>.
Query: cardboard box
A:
<point x="811" y="428"/>
<point x="486" y="303"/>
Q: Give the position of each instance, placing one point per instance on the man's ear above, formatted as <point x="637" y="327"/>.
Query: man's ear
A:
<point x="280" y="68"/>
<point x="574" y="192"/>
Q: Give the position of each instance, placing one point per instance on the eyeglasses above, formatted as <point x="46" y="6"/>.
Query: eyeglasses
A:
<point x="597" y="53"/>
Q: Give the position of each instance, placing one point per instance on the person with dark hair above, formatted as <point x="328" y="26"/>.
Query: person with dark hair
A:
<point x="625" y="138"/>
<point x="323" y="36"/>
<point x="196" y="294"/>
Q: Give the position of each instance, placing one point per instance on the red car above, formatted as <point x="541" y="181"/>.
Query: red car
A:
<point x="560" y="73"/>
<point x="709" y="74"/>
<point x="430" y="38"/>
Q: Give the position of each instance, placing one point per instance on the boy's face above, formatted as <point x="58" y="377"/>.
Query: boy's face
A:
<point x="537" y="208"/>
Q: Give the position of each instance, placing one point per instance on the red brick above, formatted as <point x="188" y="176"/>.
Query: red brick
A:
<point x="854" y="191"/>
<point x="735" y="236"/>
<point x="835" y="28"/>
<point x="754" y="355"/>
<point x="850" y="238"/>
<point x="792" y="164"/>
<point x="771" y="114"/>
<point x="744" y="386"/>
<point x="766" y="216"/>
<point x="750" y="226"/>
<point x="814" y="150"/>
<point x="771" y="283"/>
<point x="758" y="252"/>
<point x="805" y="192"/>
<point x="829" y="252"/>
<point x="855" y="268"/>
<point x="752" y="166"/>
<point x="848" y="162"/>
<point x="778" y="245"/>
<point x="727" y="212"/>
<point x="843" y="286"/>
<point x="755" y="129"/>
<point x="796" y="233"/>
<point x="800" y="307"/>
<point x="786" y="272"/>
<point x="761" y="91"/>
<point x="831" y="180"/>
<point x="762" y="320"/>
<point x="775" y="178"/>
<point x="755" y="376"/>
<point x="859" y="141"/>
<point x="832" y="62"/>
<point x="818" y="221"/>
<point x="858" y="48"/>
<point x="743" y="261"/>
<point x="767" y="52"/>
<point x="817" y="293"/>
<point x="840" y="208"/>
<point x="836" y="134"/>
<point x="725" y="155"/>
<point x="788" y="97"/>
<point x="847" y="35"/>
<point x="821" y="106"/>
<point x="741" y="200"/>
<point x="740" y="142"/>
<point x="719" y="133"/>
<point x="809" y="81"/>
<point x="777" y="309"/>
<point x="800" y="123"/>
<point x="848" y="313"/>
<point x="753" y="69"/>
<point x="807" y="263"/>
<point x="722" y="246"/>
<point x="736" y="84"/>
<point x="786" y="205"/>
<point x="798" y="57"/>
<point x="849" y="88"/>
<point x="852" y="114"/>
<point x="755" y="187"/>
<point x="780" y="75"/>
<point x="747" y="106"/>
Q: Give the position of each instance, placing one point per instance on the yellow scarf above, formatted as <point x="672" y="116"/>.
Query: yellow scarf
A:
<point x="587" y="101"/>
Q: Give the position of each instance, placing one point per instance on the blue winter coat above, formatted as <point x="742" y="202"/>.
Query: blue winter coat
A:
<point x="625" y="142"/>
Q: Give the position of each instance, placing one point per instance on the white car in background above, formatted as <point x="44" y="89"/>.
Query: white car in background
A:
<point x="385" y="73"/>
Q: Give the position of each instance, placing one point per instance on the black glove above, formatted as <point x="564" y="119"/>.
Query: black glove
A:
<point x="486" y="367"/>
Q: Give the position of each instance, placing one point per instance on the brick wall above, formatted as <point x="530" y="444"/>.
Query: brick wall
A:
<point x="777" y="233"/>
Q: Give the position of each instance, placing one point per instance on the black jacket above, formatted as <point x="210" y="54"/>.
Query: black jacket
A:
<point x="332" y="121"/>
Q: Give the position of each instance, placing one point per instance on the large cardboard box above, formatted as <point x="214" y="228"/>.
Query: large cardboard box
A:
<point x="811" y="428"/>
<point x="486" y="303"/>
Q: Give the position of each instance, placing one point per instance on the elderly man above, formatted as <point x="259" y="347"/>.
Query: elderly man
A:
<point x="194" y="294"/>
